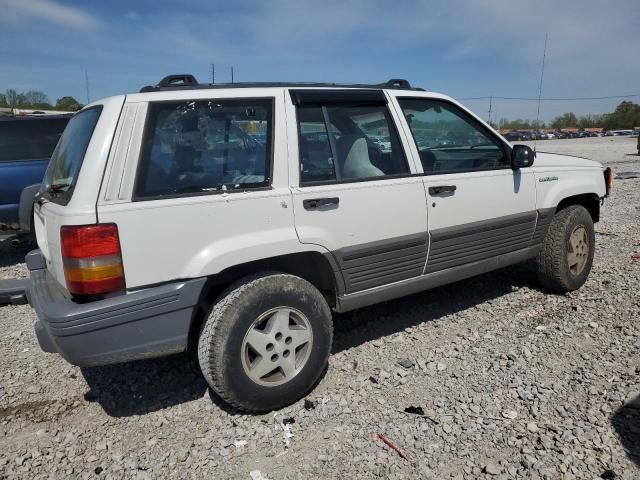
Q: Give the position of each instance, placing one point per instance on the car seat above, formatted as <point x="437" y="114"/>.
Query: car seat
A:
<point x="353" y="157"/>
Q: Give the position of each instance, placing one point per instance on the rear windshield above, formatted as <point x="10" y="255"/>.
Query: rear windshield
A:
<point x="67" y="157"/>
<point x="29" y="138"/>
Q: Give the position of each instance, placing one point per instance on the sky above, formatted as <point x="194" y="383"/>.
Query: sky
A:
<point x="463" y="48"/>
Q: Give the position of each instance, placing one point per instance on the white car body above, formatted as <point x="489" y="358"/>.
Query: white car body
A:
<point x="199" y="236"/>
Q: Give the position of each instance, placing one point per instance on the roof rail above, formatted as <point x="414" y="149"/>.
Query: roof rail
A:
<point x="397" y="83"/>
<point x="187" y="82"/>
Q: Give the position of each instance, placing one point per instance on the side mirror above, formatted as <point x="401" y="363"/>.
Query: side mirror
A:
<point x="521" y="156"/>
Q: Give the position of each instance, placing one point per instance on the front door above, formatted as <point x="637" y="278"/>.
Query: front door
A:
<point x="355" y="193"/>
<point x="479" y="207"/>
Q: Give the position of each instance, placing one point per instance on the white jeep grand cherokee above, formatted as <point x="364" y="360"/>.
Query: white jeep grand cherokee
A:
<point x="235" y="218"/>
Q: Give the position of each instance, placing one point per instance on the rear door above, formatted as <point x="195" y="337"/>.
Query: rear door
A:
<point x="479" y="207"/>
<point x="355" y="192"/>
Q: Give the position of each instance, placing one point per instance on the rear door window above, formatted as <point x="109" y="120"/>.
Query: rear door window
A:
<point x="68" y="156"/>
<point x="205" y="146"/>
<point x="341" y="143"/>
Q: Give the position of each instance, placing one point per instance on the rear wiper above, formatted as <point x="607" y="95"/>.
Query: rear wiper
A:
<point x="51" y="190"/>
<point x="58" y="187"/>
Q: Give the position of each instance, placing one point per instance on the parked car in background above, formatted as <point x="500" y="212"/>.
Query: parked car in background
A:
<point x="26" y="144"/>
<point x="513" y="136"/>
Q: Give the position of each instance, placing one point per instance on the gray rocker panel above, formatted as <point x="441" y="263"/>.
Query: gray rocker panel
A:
<point x="431" y="280"/>
<point x="473" y="242"/>
<point x="382" y="262"/>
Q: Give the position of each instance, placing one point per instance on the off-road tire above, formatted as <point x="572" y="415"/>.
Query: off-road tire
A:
<point x="552" y="261"/>
<point x="220" y="342"/>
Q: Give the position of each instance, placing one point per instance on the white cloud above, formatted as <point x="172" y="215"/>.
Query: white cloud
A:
<point x="22" y="11"/>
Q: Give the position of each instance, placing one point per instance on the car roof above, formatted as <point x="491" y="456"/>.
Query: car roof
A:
<point x="189" y="82"/>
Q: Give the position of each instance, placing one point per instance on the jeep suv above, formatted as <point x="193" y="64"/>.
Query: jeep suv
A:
<point x="235" y="218"/>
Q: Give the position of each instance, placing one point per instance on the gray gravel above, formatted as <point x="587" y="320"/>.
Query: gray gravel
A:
<point x="504" y="381"/>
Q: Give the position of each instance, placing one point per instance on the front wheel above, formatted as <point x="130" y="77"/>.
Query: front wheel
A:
<point x="566" y="256"/>
<point x="266" y="342"/>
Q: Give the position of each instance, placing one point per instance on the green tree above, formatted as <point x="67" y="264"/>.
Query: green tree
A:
<point x="590" y="121"/>
<point x="626" y="115"/>
<point x="520" y="124"/>
<point x="565" y="120"/>
<point x="3" y="100"/>
<point x="68" y="103"/>
<point x="37" y="99"/>
<point x="12" y="98"/>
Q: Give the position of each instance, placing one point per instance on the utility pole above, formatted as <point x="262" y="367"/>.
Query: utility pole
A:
<point x="231" y="73"/>
<point x="490" y="106"/>
<point x="213" y="73"/>
<point x="86" y="84"/>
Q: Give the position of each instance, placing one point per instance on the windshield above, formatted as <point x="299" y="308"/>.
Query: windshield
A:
<point x="69" y="153"/>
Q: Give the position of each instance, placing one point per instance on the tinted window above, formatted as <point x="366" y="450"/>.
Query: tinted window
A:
<point x="69" y="153"/>
<point x="205" y="146"/>
<point x="29" y="139"/>
<point x="360" y="143"/>
<point x="449" y="140"/>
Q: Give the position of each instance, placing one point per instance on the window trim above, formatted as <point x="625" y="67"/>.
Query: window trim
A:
<point x="331" y="138"/>
<point x="64" y="198"/>
<point x="267" y="184"/>
<point x="506" y="148"/>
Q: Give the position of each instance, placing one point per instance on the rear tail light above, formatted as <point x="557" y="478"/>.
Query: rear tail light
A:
<point x="91" y="259"/>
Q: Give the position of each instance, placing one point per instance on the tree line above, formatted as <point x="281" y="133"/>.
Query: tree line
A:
<point x="36" y="100"/>
<point x="625" y="116"/>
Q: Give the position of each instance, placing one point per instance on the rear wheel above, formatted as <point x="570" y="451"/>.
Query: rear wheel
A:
<point x="266" y="342"/>
<point x="566" y="257"/>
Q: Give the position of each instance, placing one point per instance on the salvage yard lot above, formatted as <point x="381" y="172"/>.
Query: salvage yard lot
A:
<point x="505" y="380"/>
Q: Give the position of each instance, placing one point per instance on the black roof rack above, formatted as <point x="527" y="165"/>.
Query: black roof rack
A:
<point x="188" y="82"/>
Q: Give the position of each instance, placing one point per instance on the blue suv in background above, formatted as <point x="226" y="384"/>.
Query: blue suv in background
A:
<point x="26" y="144"/>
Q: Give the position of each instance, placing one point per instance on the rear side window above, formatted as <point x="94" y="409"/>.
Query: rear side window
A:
<point x="210" y="146"/>
<point x="341" y="143"/>
<point x="29" y="138"/>
<point x="68" y="156"/>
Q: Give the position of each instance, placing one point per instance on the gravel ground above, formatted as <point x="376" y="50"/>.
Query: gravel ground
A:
<point x="489" y="377"/>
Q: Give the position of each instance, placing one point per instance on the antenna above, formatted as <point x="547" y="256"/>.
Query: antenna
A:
<point x="544" y="56"/>
<point x="86" y="84"/>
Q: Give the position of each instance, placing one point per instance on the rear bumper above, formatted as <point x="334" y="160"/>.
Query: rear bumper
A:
<point x="148" y="323"/>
